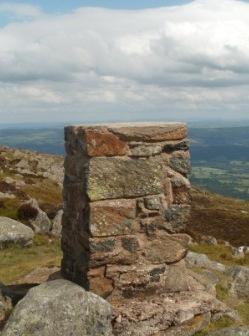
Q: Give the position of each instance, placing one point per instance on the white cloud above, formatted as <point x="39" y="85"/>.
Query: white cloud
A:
<point x="161" y="62"/>
<point x="17" y="10"/>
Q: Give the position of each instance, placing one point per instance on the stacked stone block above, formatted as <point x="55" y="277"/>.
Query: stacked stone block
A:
<point x="126" y="202"/>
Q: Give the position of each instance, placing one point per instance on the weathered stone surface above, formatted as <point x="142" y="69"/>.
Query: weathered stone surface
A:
<point x="118" y="257"/>
<point x="125" y="189"/>
<point x="201" y="260"/>
<point x="194" y="324"/>
<point x="138" y="280"/>
<point x="150" y="225"/>
<point x="57" y="224"/>
<point x="144" y="150"/>
<point x="112" y="217"/>
<point x="100" y="142"/>
<point x="176" y="217"/>
<point x="166" y="249"/>
<point x="12" y="231"/>
<point x="181" y="189"/>
<point x="240" y="285"/>
<point x="60" y="308"/>
<point x="75" y="199"/>
<point x="149" y="132"/>
<point x="169" y="147"/>
<point x="176" y="278"/>
<point x="102" y="245"/>
<point x="152" y="203"/>
<point x="157" y="315"/>
<point x="180" y="162"/>
<point x="41" y="223"/>
<point x="204" y="279"/>
<point x="130" y="244"/>
<point x="101" y="286"/>
<point x="123" y="177"/>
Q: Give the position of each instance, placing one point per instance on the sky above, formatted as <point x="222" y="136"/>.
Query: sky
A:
<point x="77" y="61"/>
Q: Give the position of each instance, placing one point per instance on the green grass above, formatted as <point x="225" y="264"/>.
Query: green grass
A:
<point x="243" y="310"/>
<point x="216" y="325"/>
<point x="17" y="261"/>
<point x="8" y="207"/>
<point x="44" y="191"/>
<point x="221" y="254"/>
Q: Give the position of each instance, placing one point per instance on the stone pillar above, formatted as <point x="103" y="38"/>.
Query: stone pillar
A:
<point x="126" y="201"/>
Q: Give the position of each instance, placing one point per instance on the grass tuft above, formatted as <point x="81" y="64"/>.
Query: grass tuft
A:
<point x="216" y="325"/>
<point x="17" y="261"/>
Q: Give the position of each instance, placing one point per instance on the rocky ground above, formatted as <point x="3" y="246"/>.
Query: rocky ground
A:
<point x="30" y="203"/>
<point x="31" y="189"/>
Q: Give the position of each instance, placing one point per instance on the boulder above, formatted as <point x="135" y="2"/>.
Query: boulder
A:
<point x="240" y="285"/>
<point x="232" y="331"/>
<point x="41" y="223"/>
<point x="56" y="224"/>
<point x="12" y="231"/>
<point x="58" y="308"/>
<point x="201" y="260"/>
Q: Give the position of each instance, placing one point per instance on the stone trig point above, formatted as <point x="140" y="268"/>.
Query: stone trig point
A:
<point x="126" y="200"/>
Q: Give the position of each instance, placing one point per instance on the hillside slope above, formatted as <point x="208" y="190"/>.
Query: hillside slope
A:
<point x="27" y="174"/>
<point x="222" y="217"/>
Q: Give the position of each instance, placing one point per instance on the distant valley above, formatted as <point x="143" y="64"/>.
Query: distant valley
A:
<point x="220" y="160"/>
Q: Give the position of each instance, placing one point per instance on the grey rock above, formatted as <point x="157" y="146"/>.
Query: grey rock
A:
<point x="59" y="308"/>
<point x="205" y="281"/>
<point x="140" y="149"/>
<point x="232" y="331"/>
<point x="208" y="240"/>
<point x="240" y="285"/>
<point x="176" y="217"/>
<point x="201" y="260"/>
<point x="130" y="244"/>
<point x="41" y="223"/>
<point x="241" y="251"/>
<point x="166" y="248"/>
<point x="180" y="162"/>
<point x="102" y="245"/>
<point x="152" y="203"/>
<point x="57" y="224"/>
<point x="115" y="177"/>
<point x="12" y="231"/>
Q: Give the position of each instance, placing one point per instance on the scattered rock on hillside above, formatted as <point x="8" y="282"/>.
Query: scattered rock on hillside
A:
<point x="208" y="240"/>
<point x="201" y="260"/>
<point x="240" y="285"/>
<point x="41" y="223"/>
<point x="58" y="308"/>
<point x="12" y="231"/>
<point x="56" y="224"/>
<point x="232" y="331"/>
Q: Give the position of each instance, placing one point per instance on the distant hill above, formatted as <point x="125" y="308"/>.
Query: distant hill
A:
<point x="45" y="140"/>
